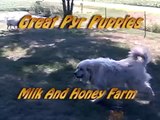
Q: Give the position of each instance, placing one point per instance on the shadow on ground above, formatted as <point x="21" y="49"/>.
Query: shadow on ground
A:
<point x="48" y="60"/>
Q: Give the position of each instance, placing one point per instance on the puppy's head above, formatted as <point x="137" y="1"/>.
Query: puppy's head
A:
<point x="83" y="70"/>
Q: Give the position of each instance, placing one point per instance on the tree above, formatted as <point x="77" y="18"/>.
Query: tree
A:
<point x="67" y="7"/>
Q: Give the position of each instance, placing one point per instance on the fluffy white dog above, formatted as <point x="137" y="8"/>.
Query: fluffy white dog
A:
<point x="12" y="22"/>
<point x="130" y="73"/>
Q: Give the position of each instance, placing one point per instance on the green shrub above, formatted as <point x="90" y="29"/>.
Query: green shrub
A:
<point x="46" y="9"/>
<point x="37" y="8"/>
<point x="154" y="28"/>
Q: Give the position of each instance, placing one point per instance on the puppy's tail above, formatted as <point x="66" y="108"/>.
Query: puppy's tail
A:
<point x="140" y="54"/>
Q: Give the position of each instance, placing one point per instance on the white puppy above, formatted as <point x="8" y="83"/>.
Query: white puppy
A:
<point x="13" y="18"/>
<point x="12" y="22"/>
<point x="105" y="73"/>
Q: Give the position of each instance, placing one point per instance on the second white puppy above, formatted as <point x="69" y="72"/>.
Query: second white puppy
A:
<point x="12" y="22"/>
<point x="105" y="73"/>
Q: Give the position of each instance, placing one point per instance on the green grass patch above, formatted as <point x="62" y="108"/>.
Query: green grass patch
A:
<point x="148" y="3"/>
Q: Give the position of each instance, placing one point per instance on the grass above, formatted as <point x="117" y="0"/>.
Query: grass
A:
<point x="149" y="3"/>
<point x="151" y="25"/>
<point x="18" y="5"/>
<point x="12" y="4"/>
<point x="53" y="66"/>
<point x="108" y="12"/>
<point x="31" y="72"/>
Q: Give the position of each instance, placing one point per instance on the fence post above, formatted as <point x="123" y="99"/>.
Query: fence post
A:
<point x="82" y="6"/>
<point x="145" y="26"/>
<point x="105" y="12"/>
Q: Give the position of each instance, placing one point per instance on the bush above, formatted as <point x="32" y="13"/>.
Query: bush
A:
<point x="45" y="9"/>
<point x="37" y="8"/>
<point x="46" y="12"/>
<point x="154" y="28"/>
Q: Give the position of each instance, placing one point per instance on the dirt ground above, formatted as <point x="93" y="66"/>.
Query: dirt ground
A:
<point x="47" y="58"/>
